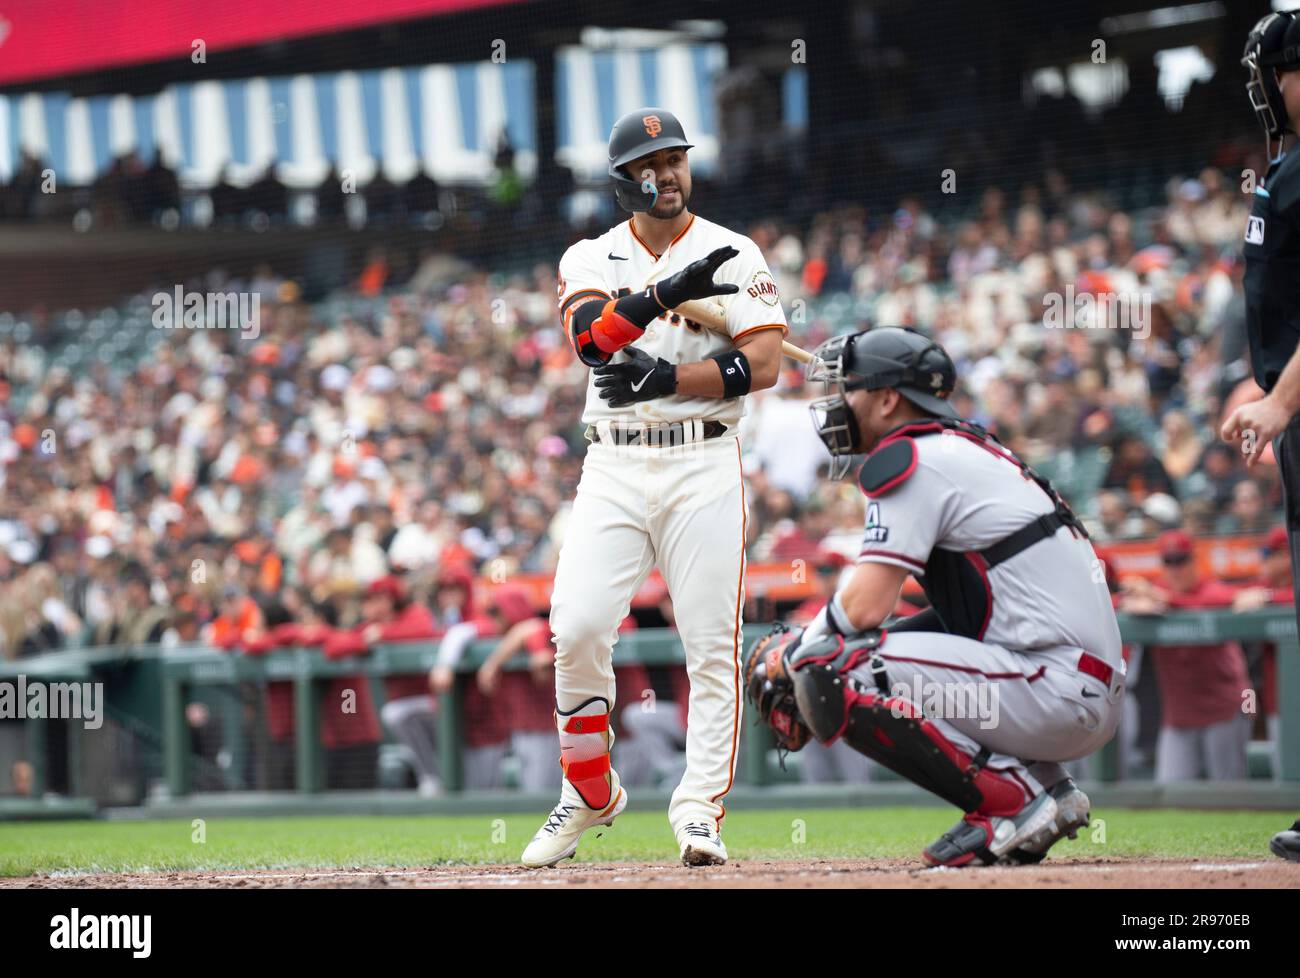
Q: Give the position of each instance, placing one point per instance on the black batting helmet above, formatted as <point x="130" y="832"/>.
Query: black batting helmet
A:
<point x="635" y="135"/>
<point x="888" y="356"/>
<point x="1273" y="45"/>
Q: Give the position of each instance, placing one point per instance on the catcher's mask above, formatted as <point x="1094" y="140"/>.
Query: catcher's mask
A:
<point x="888" y="356"/>
<point x="1273" y="45"/>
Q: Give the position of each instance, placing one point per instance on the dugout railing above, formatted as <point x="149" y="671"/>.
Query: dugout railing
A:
<point x="147" y="688"/>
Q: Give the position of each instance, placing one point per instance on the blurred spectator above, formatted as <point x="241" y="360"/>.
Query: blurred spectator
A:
<point x="238" y="618"/>
<point x="1136" y="471"/>
<point x="136" y="618"/>
<point x="1248" y="513"/>
<point x="528" y="696"/>
<point x="1181" y="446"/>
<point x="1273" y="586"/>
<point x="227" y="200"/>
<point x="349" y="725"/>
<point x="268" y="196"/>
<point x="330" y="198"/>
<point x="309" y="627"/>
<point x="1203" y="731"/>
<point x="381" y="199"/>
<point x="389" y="615"/>
<point x="1159" y="512"/>
<point x="21" y="779"/>
<point x="34" y="617"/>
<point x="375" y="273"/>
<point x="1217" y="476"/>
<point x="507" y="186"/>
<point x="420" y="194"/>
<point x="1113" y="517"/>
<point x="485" y="722"/>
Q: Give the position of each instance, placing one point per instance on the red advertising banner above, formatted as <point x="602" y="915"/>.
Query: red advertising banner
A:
<point x="45" y="38"/>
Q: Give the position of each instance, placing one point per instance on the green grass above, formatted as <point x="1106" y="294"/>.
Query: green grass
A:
<point x="328" y="841"/>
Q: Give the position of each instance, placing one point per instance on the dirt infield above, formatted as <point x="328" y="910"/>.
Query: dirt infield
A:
<point x="856" y="874"/>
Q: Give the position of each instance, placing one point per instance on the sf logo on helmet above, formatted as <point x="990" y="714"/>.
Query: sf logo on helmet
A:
<point x="653" y="126"/>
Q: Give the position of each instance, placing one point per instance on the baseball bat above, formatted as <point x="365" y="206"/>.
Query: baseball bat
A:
<point x="711" y="316"/>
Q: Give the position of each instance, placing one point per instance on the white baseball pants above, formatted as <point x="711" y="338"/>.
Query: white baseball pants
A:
<point x="681" y="508"/>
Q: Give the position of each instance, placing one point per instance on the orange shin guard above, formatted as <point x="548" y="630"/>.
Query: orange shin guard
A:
<point x="584" y="751"/>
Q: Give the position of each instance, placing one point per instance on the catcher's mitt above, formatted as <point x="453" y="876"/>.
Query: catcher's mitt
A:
<point x="770" y="690"/>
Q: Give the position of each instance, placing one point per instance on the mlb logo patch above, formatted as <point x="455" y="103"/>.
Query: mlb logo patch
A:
<point x="1255" y="231"/>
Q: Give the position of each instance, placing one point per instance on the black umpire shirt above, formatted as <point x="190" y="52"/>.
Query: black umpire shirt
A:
<point x="1272" y="284"/>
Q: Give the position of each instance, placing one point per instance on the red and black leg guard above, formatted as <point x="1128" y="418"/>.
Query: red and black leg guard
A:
<point x="584" y="751"/>
<point x="893" y="731"/>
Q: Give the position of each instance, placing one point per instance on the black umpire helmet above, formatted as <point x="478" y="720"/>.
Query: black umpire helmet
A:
<point x="635" y="135"/>
<point x="1273" y="45"/>
<point x="888" y="356"/>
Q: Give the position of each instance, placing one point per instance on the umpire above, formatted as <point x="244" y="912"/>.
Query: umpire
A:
<point x="1272" y="252"/>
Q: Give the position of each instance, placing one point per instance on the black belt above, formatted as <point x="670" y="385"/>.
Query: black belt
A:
<point x="656" y="436"/>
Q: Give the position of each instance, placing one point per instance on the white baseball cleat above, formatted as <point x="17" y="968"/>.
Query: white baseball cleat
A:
<point x="558" y="838"/>
<point x="701" y="845"/>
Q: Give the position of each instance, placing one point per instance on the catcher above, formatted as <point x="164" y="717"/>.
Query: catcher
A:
<point x="1016" y="665"/>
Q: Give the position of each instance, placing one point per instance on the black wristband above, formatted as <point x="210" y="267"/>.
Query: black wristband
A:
<point x="734" y="366"/>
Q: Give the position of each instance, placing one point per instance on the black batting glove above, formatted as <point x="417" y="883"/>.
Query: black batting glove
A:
<point x="695" y="281"/>
<point x="641" y="378"/>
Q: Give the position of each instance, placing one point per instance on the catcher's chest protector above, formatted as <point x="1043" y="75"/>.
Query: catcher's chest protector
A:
<point x="956" y="582"/>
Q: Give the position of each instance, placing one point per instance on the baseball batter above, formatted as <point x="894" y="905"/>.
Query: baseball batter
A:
<point x="1016" y="665"/>
<point x="661" y="482"/>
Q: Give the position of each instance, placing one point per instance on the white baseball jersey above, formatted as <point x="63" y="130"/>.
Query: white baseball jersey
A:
<point x="619" y="263"/>
<point x="961" y="497"/>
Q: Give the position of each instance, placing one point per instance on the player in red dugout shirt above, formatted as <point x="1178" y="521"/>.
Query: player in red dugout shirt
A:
<point x="1203" y="728"/>
<point x="1271" y="587"/>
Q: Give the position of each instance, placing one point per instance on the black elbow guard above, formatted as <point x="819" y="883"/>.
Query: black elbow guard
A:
<point x="736" y="376"/>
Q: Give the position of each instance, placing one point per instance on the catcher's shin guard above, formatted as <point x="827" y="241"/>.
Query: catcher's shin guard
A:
<point x="584" y="750"/>
<point x="892" y="730"/>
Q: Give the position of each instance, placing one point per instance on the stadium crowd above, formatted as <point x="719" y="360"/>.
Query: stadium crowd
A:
<point x="416" y="435"/>
<point x="132" y="192"/>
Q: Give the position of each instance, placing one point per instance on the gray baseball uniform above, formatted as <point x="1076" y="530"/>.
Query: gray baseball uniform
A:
<point x="1029" y="666"/>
